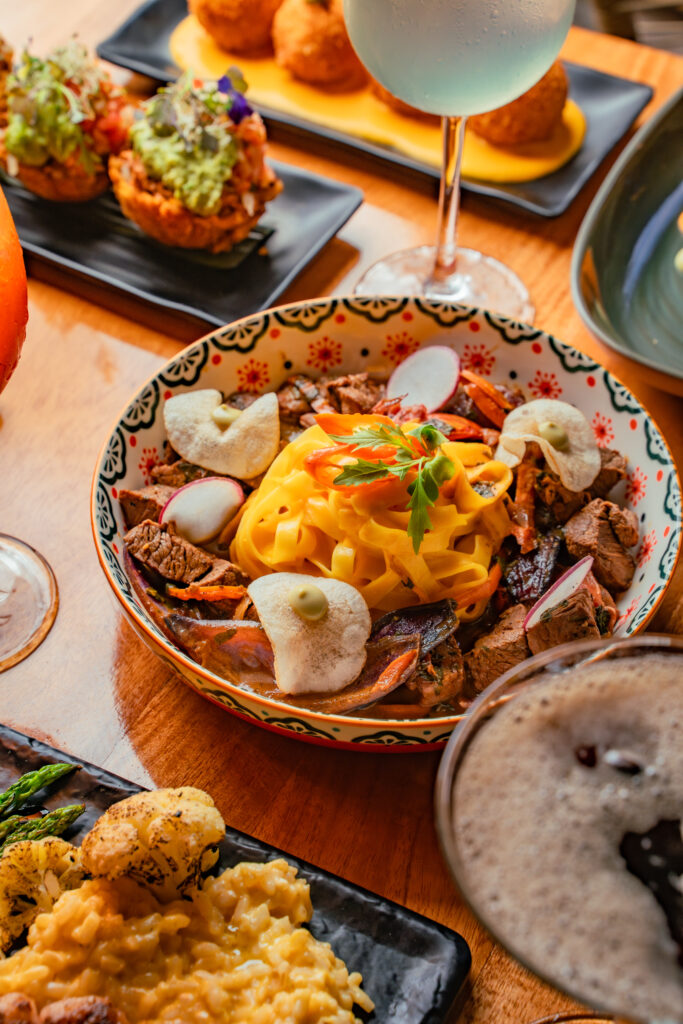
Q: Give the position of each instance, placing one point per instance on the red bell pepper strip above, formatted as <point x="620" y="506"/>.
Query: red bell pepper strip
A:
<point x="459" y="427"/>
<point x="483" y="591"/>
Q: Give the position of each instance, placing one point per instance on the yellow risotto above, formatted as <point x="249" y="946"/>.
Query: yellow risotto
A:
<point x="233" y="953"/>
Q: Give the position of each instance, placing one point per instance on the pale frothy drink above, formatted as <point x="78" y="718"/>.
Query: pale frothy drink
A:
<point x="567" y="822"/>
<point x="458" y="56"/>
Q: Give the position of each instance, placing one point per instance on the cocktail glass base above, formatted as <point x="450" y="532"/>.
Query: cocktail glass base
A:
<point x="29" y="600"/>
<point x="478" y="280"/>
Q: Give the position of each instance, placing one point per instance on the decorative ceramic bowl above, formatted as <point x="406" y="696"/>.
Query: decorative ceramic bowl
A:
<point x="351" y="335"/>
<point x="625" y="281"/>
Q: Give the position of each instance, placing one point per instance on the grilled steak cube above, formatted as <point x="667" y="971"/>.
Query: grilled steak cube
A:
<point x="439" y="675"/>
<point x="146" y="503"/>
<point x="572" y="619"/>
<point x="612" y="471"/>
<point x="160" y="549"/>
<point x="604" y="530"/>
<point x="495" y="652"/>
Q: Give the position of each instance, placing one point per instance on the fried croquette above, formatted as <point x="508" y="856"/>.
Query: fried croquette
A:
<point x="531" y="117"/>
<point x="311" y="42"/>
<point x="399" y="105"/>
<point x="242" y="26"/>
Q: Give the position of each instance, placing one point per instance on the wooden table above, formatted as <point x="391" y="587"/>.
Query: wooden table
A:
<point x="93" y="689"/>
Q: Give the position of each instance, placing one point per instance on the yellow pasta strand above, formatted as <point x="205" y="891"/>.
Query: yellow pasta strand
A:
<point x="292" y="523"/>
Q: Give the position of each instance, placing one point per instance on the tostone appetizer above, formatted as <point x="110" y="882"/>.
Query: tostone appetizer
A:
<point x="129" y="929"/>
<point x="194" y="174"/>
<point x="381" y="548"/>
<point x="65" y="117"/>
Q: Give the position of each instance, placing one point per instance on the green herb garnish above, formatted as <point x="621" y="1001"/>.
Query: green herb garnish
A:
<point x="430" y="466"/>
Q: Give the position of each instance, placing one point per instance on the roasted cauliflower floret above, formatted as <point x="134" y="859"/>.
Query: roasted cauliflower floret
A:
<point x="163" y="839"/>
<point x="33" y="875"/>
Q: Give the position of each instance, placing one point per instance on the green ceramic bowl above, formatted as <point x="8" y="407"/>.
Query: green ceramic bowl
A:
<point x="624" y="280"/>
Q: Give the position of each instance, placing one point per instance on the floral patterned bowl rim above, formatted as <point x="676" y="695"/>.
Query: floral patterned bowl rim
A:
<point x="351" y="334"/>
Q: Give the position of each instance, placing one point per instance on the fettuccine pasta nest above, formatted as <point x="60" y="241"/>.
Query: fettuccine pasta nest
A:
<point x="293" y="523"/>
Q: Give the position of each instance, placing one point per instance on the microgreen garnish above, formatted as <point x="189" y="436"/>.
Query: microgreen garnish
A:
<point x="424" y="458"/>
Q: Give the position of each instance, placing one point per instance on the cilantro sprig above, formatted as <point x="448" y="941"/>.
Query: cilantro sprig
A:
<point x="430" y="466"/>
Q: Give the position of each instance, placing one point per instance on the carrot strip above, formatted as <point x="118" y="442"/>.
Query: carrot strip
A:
<point x="482" y="591"/>
<point x="485" y="405"/>
<point x="196" y="592"/>
<point x="487" y="387"/>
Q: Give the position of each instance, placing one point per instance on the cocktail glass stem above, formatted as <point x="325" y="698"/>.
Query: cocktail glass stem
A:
<point x="449" y="202"/>
<point x="447" y="271"/>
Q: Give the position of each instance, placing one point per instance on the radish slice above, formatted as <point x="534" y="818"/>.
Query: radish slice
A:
<point x="428" y="377"/>
<point x="202" y="508"/>
<point x="561" y="589"/>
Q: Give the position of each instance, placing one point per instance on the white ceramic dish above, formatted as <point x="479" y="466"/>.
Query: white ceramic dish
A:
<point x="342" y="335"/>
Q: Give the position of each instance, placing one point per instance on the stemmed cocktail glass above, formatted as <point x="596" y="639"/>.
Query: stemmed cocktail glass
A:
<point x="564" y="737"/>
<point x="446" y="57"/>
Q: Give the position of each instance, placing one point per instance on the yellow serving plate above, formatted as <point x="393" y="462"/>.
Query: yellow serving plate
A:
<point x="362" y="115"/>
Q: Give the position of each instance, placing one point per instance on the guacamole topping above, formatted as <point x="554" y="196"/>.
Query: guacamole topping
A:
<point x="49" y="102"/>
<point x="185" y="138"/>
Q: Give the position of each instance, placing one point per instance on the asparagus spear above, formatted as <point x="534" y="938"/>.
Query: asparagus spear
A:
<point x="51" y="824"/>
<point x="23" y="789"/>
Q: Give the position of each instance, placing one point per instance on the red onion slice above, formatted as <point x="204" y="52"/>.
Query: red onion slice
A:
<point x="561" y="589"/>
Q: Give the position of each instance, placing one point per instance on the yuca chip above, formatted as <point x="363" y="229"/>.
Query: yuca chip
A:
<point x="577" y="466"/>
<point x="321" y="656"/>
<point x="244" y="449"/>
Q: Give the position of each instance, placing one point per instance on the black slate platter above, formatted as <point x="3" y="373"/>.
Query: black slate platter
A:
<point x="94" y="241"/>
<point x="610" y="104"/>
<point x="412" y="968"/>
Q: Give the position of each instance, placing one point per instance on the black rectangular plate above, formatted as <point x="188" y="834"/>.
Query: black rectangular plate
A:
<point x="412" y="968"/>
<point x="610" y="104"/>
<point x="95" y="241"/>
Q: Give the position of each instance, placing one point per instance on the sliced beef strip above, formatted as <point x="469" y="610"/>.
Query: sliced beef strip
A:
<point x="572" y="619"/>
<point x="294" y="397"/>
<point x="145" y="503"/>
<point x="179" y="473"/>
<point x="596" y="530"/>
<point x="355" y="392"/>
<point x="505" y="646"/>
<point x="563" y="503"/>
<point x="440" y="674"/>
<point x="161" y="550"/>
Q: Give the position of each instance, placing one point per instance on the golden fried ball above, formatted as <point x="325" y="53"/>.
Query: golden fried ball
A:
<point x="531" y="117"/>
<point x="311" y="42"/>
<point x="399" y="105"/>
<point x="242" y="26"/>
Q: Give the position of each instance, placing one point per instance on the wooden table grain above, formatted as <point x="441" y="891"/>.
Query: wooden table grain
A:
<point x="94" y="689"/>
